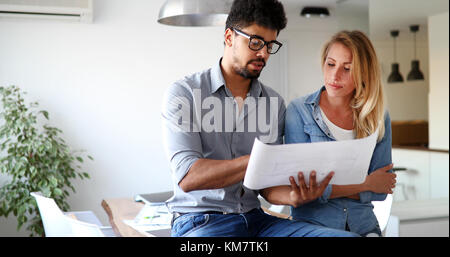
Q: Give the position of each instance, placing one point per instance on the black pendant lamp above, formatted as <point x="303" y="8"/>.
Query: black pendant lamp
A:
<point x="415" y="73"/>
<point x="308" y="12"/>
<point x="395" y="75"/>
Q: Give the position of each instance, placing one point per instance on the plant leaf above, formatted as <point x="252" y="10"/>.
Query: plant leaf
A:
<point x="45" y="113"/>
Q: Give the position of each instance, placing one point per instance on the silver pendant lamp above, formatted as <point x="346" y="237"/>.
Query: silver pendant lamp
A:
<point x="194" y="12"/>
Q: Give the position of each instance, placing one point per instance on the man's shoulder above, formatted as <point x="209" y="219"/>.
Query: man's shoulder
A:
<point x="197" y="79"/>
<point x="270" y="92"/>
<point x="188" y="83"/>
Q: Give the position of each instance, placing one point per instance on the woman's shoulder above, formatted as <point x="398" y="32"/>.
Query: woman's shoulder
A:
<point x="302" y="102"/>
<point x="299" y="101"/>
<point x="387" y="117"/>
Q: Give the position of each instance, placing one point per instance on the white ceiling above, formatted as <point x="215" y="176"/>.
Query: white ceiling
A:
<point x="331" y="4"/>
<point x="337" y="9"/>
<point x="383" y="15"/>
<point x="386" y="15"/>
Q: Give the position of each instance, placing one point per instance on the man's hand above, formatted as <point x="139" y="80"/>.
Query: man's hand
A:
<point x="301" y="194"/>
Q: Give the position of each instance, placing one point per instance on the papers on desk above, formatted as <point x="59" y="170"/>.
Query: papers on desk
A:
<point x="151" y="218"/>
<point x="154" y="198"/>
<point x="272" y="165"/>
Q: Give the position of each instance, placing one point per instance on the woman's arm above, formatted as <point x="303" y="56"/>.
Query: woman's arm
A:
<point x="382" y="156"/>
<point x="379" y="181"/>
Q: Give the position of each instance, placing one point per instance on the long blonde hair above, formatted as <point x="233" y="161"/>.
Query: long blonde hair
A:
<point x="368" y="100"/>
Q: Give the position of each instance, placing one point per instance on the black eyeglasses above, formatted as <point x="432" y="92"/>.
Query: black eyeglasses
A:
<point x="257" y="43"/>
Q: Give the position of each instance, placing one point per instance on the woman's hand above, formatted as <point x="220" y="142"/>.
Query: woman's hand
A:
<point x="301" y="194"/>
<point x="381" y="181"/>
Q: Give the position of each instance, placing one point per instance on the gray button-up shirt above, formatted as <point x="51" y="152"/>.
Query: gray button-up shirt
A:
<point x="201" y="119"/>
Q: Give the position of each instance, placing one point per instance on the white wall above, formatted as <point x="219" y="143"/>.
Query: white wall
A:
<point x="306" y="38"/>
<point x="407" y="100"/>
<point x="305" y="74"/>
<point x="102" y="85"/>
<point x="439" y="81"/>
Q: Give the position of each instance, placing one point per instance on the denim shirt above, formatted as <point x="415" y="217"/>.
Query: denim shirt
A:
<point x="304" y="124"/>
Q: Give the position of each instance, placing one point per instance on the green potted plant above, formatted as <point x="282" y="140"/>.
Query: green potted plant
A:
<point x="33" y="158"/>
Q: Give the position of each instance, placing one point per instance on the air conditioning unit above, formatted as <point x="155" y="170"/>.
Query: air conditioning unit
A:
<point x="76" y="10"/>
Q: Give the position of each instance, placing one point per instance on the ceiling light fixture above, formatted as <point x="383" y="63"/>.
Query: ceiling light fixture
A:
<point x="395" y="75"/>
<point x="315" y="11"/>
<point x="194" y="12"/>
<point x="415" y="73"/>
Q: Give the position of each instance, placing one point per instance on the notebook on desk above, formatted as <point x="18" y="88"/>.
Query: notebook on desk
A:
<point x="155" y="198"/>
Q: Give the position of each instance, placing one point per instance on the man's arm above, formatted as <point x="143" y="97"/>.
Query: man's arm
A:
<point x="183" y="146"/>
<point x="213" y="174"/>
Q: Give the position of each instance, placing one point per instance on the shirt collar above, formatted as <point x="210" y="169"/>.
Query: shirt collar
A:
<point x="314" y="98"/>
<point x="217" y="81"/>
<point x="255" y="88"/>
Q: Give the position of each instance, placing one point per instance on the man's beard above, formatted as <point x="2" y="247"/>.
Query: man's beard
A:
<point x="247" y="73"/>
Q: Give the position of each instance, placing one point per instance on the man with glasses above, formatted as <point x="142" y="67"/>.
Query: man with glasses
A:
<point x="210" y="121"/>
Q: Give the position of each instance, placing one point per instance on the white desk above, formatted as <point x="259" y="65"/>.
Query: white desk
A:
<point x="119" y="209"/>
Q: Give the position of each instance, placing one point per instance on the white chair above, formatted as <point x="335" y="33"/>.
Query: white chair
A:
<point x="388" y="223"/>
<point x="58" y="224"/>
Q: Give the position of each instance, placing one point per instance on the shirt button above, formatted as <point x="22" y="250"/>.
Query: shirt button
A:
<point x="345" y="209"/>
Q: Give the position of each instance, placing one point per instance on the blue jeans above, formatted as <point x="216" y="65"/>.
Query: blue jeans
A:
<point x="254" y="223"/>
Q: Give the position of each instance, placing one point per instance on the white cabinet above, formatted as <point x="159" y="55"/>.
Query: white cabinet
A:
<point x="427" y="217"/>
<point x="439" y="175"/>
<point x="421" y="194"/>
<point x="426" y="176"/>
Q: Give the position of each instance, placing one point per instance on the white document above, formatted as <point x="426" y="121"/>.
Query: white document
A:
<point x="151" y="218"/>
<point x="272" y="165"/>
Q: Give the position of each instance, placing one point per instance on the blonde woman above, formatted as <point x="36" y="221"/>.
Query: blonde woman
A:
<point x="349" y="105"/>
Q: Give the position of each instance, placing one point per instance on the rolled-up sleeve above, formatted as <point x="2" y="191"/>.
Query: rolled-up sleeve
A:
<point x="181" y="139"/>
<point x="382" y="156"/>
